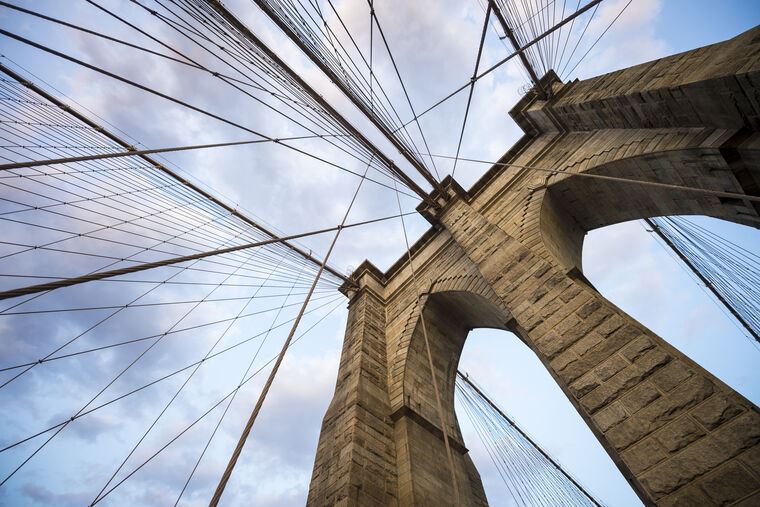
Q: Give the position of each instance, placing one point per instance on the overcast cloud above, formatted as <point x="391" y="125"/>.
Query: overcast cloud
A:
<point x="434" y="43"/>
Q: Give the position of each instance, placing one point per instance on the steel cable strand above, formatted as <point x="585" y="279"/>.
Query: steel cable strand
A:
<point x="108" y="385"/>
<point x="286" y="79"/>
<point x="275" y="368"/>
<point x="704" y="286"/>
<point x="181" y="388"/>
<point x="472" y="87"/>
<point x="326" y="138"/>
<point x="600" y="36"/>
<point x="474" y="417"/>
<point x="68" y="342"/>
<point x="174" y="439"/>
<point x="162" y="170"/>
<point x="157" y="380"/>
<point x="403" y="86"/>
<point x="523" y="494"/>
<point x="229" y="403"/>
<point x="182" y="103"/>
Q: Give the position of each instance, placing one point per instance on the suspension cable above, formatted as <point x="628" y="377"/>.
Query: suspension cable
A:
<point x="265" y="390"/>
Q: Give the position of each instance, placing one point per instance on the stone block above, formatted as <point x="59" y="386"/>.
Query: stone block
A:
<point x="570" y="293"/>
<point x="752" y="500"/>
<point x="751" y="459"/>
<point x="689" y="496"/>
<point x="644" y="455"/>
<point x="740" y="434"/>
<point x="665" y="478"/>
<point x="717" y="410"/>
<point x="570" y="322"/>
<point x="637" y="348"/>
<point x="561" y="361"/>
<point x="624" y="380"/>
<point x="610" y="416"/>
<point x="639" y="397"/>
<point x="729" y="483"/>
<point x="584" y="385"/>
<point x="679" y="400"/>
<point x="658" y="413"/>
<point x="672" y="375"/>
<point x="589" y="308"/>
<point x="595" y="319"/>
<point x="572" y="371"/>
<point x="679" y="433"/>
<point x="584" y="344"/>
<point x="612" y="344"/>
<point x="610" y="325"/>
<point x="554" y="343"/>
<point x="610" y="367"/>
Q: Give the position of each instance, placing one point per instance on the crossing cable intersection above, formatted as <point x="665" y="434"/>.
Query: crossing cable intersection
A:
<point x="267" y="262"/>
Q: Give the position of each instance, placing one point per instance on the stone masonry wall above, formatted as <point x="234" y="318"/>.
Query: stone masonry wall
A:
<point x="678" y="433"/>
<point x="508" y="254"/>
<point x="357" y="464"/>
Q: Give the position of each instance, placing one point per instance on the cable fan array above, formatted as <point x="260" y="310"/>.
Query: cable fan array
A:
<point x="562" y="50"/>
<point x="324" y="36"/>
<point x="117" y="335"/>
<point x="730" y="270"/>
<point x="531" y="477"/>
<point x="150" y="334"/>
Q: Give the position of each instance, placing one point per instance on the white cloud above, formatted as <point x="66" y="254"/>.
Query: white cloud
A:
<point x="435" y="46"/>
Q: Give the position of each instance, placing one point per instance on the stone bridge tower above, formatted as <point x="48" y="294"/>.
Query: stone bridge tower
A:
<point x="507" y="254"/>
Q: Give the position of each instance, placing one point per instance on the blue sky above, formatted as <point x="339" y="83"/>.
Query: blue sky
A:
<point x="434" y="44"/>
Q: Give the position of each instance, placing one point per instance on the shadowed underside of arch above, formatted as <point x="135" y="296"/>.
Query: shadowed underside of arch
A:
<point x="507" y="254"/>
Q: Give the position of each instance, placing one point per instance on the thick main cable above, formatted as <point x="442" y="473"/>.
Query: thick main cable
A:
<point x="32" y="289"/>
<point x="160" y="167"/>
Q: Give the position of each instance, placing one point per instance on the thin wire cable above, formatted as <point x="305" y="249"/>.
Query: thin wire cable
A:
<point x="441" y="420"/>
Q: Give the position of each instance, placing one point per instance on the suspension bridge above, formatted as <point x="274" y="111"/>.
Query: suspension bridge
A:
<point x="115" y="262"/>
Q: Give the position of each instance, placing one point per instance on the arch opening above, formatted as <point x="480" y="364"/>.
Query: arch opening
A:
<point x="514" y="378"/>
<point x="634" y="270"/>
<point x="572" y="207"/>
<point x="456" y="321"/>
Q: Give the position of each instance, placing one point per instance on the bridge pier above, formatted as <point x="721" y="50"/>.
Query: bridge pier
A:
<point x="508" y="254"/>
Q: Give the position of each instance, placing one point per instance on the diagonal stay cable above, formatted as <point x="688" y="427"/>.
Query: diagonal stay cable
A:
<point x="124" y="370"/>
<point x="122" y="343"/>
<point x="335" y="77"/>
<point x="504" y="60"/>
<point x="32" y="289"/>
<point x="197" y="109"/>
<point x="600" y="37"/>
<point x="250" y="38"/>
<point x="493" y="407"/>
<point x="231" y="393"/>
<point x="229" y="403"/>
<point x="187" y="380"/>
<point x="373" y="14"/>
<point x="304" y="109"/>
<point x="91" y="327"/>
<point x="159" y="379"/>
<point x="472" y="87"/>
<point x="101" y="156"/>
<point x="214" y="204"/>
<point x="265" y="390"/>
<point x="158" y="303"/>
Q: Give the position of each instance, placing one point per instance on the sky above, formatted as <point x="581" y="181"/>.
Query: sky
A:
<point x="434" y="44"/>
